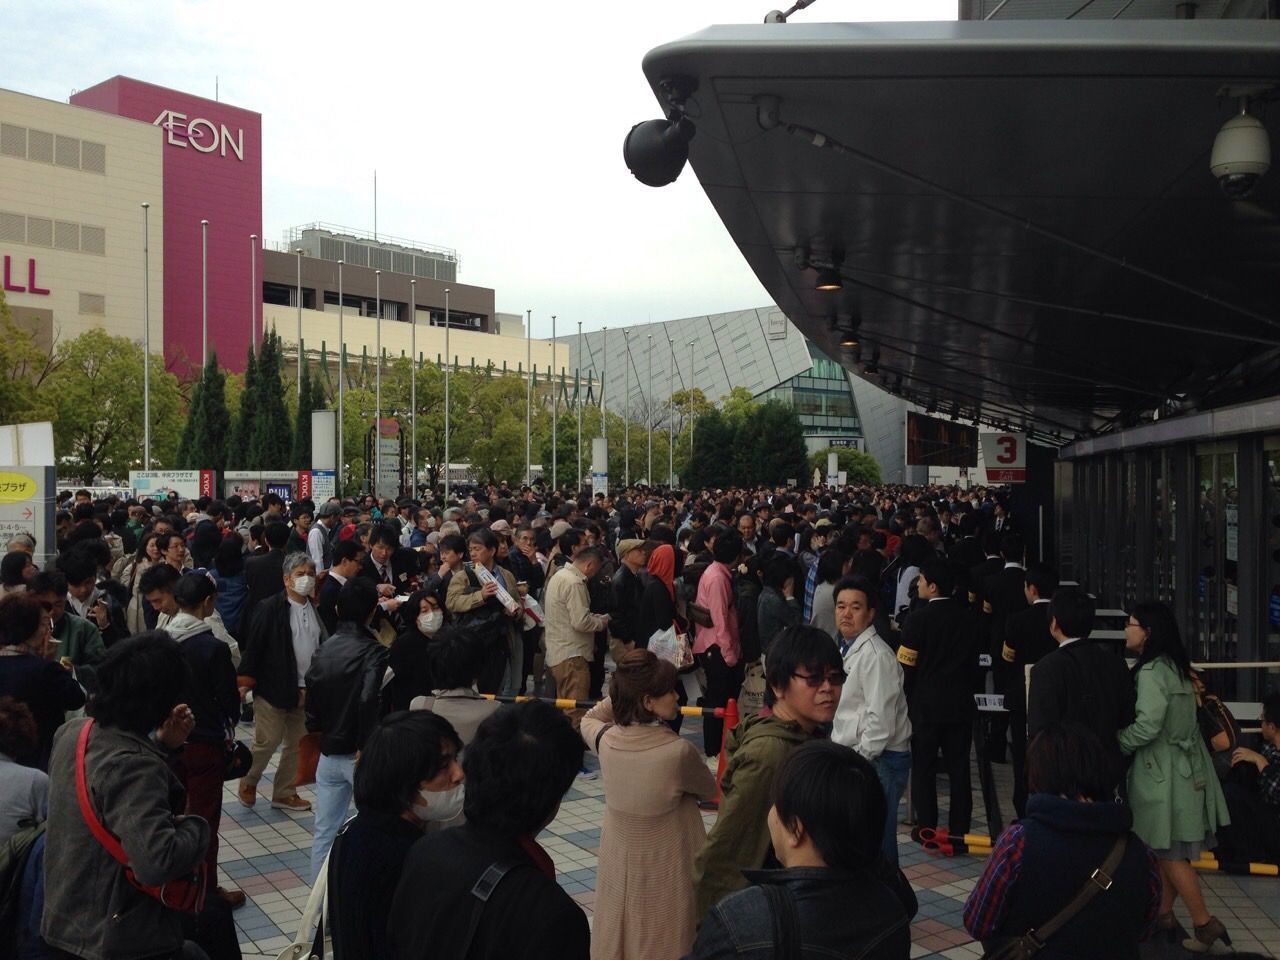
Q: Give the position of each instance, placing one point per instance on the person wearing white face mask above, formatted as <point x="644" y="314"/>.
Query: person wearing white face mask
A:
<point x="284" y="633"/>
<point x="345" y="698"/>
<point x="420" y="619"/>
<point x="408" y="777"/>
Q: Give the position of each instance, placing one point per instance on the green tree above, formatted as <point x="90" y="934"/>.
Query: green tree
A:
<point x="769" y="445"/>
<point x="270" y="432"/>
<point x="243" y="402"/>
<point x="96" y="398"/>
<point x="713" y="452"/>
<point x="24" y="366"/>
<point x="862" y="468"/>
<point x="205" y="433"/>
<point x="300" y="456"/>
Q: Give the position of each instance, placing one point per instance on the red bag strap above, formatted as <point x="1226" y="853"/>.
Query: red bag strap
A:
<point x="109" y="843"/>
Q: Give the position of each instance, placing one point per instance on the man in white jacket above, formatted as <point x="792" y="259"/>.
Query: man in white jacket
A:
<point x="872" y="714"/>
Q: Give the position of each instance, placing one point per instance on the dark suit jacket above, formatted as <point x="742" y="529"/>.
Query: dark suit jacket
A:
<point x="942" y="676"/>
<point x="404" y="566"/>
<point x="1002" y="594"/>
<point x="267" y="653"/>
<point x="263" y="578"/>
<point x="327" y="602"/>
<point x="1082" y="682"/>
<point x="1026" y="640"/>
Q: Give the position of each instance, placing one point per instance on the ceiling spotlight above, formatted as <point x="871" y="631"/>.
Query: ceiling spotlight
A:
<point x="828" y="279"/>
<point x="1241" y="154"/>
<point x="656" y="151"/>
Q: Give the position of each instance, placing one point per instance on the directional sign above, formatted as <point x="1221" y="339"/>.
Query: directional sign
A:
<point x="1005" y="457"/>
<point x="26" y="506"/>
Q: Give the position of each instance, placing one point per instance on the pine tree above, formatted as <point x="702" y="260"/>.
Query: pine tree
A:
<point x="204" y="436"/>
<point x="271" y="433"/>
<point x="242" y="430"/>
<point x="301" y="453"/>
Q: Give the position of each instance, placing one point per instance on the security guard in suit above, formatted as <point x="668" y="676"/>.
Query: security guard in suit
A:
<point x="939" y="656"/>
<point x="1026" y="640"/>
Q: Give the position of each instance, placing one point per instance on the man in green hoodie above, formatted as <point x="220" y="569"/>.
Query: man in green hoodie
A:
<point x="803" y="677"/>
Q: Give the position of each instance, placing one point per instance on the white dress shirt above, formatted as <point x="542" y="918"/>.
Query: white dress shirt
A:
<point x="316" y="537"/>
<point x="872" y="714"/>
<point x="304" y="628"/>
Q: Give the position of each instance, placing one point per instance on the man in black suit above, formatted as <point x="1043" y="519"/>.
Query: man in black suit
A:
<point x="344" y="564"/>
<point x="262" y="575"/>
<point x="1026" y="640"/>
<point x="939" y="655"/>
<point x="1080" y="681"/>
<point x="393" y="567"/>
<point x="1002" y="595"/>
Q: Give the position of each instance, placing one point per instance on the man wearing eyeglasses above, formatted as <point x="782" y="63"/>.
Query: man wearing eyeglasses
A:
<point x="872" y="716"/>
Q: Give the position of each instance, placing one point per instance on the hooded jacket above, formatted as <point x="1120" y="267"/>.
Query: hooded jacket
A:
<point x="211" y="684"/>
<point x="740" y="838"/>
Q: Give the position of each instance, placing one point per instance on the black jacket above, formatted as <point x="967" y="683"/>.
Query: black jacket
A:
<point x="530" y="571"/>
<point x="404" y="566"/>
<point x="48" y="689"/>
<point x="939" y="655"/>
<point x="1084" y="682"/>
<point x="267" y="653"/>
<point x="344" y="689"/>
<point x="327" y="602"/>
<point x="211" y="686"/>
<point x="1026" y="640"/>
<point x="363" y="874"/>
<point x="411" y="668"/>
<point x="841" y="913"/>
<point x="528" y="914"/>
<point x="657" y="609"/>
<point x="978" y="577"/>
<point x="628" y="589"/>
<point x="204" y="543"/>
<point x="263" y="577"/>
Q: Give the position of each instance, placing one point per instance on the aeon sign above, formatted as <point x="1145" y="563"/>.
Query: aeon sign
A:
<point x="200" y="134"/>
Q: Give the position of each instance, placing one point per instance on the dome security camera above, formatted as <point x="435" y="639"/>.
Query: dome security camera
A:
<point x="1241" y="154"/>
<point x="655" y="151"/>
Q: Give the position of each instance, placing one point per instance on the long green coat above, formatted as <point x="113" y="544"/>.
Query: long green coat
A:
<point x="1173" y="790"/>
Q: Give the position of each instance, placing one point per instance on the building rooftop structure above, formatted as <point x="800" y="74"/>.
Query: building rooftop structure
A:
<point x="359" y="248"/>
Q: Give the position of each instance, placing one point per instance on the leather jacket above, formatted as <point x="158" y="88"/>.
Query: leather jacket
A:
<point x="344" y="688"/>
<point x="840" y="912"/>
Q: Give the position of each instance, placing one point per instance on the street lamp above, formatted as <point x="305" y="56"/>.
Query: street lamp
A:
<point x="604" y="369"/>
<point x="691" y="343"/>
<point x="626" y="411"/>
<point x="577" y="393"/>
<point x="342" y="384"/>
<point x="448" y="362"/>
<point x="413" y="387"/>
<point x="648" y="477"/>
<point x="671" y="417"/>
<point x="377" y="326"/>
<point x="146" y="336"/>
<point x="555" y="403"/>
<point x="528" y="398"/>
<point x="253" y="290"/>
<point x="300" y="361"/>
<point x="204" y="294"/>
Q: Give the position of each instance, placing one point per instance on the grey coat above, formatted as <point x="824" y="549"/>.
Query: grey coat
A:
<point x="90" y="909"/>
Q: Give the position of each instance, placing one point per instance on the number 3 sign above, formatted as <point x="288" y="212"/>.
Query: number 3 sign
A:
<point x="1005" y="457"/>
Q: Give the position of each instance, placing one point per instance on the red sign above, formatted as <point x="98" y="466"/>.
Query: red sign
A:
<point x="31" y="287"/>
<point x="304" y="484"/>
<point x="206" y="483"/>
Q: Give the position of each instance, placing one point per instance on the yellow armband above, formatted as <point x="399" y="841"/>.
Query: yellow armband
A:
<point x="1008" y="653"/>
<point x="907" y="657"/>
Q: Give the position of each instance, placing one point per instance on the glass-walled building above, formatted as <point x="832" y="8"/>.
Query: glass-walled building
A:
<point x="821" y="397"/>
<point x="1185" y="511"/>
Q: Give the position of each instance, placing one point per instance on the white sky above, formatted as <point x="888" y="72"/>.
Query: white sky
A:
<point x="496" y="128"/>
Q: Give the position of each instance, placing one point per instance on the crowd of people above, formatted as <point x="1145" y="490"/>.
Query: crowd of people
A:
<point x="360" y="638"/>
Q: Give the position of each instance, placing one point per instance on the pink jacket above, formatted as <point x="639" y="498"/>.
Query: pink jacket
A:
<point x="715" y="592"/>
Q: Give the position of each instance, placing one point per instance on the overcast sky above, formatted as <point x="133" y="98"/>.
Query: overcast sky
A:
<point x="496" y="128"/>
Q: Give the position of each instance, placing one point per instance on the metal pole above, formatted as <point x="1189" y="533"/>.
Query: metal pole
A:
<point x="448" y="362"/>
<point x="204" y="293"/>
<point x="528" y="402"/>
<point x="604" y="368"/>
<point x="691" y="343"/>
<point x="577" y="394"/>
<point x="342" y="387"/>
<point x="253" y="289"/>
<point x="299" y="378"/>
<point x="377" y="379"/>
<point x="671" y="417"/>
<point x="626" y="411"/>
<point x="648" y="476"/>
<point x="413" y="387"/>
<point x="555" y="404"/>
<point x="146" y="336"/>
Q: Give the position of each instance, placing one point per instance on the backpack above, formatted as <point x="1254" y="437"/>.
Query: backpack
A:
<point x="14" y="854"/>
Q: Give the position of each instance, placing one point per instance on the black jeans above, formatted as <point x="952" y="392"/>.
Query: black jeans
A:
<point x="1018" y="736"/>
<point x="723" y="684"/>
<point x="955" y="740"/>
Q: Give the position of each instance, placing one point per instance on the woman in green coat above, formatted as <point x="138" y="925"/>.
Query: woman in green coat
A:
<point x="1177" y="803"/>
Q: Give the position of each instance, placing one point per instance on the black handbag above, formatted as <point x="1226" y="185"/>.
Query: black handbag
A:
<point x="237" y="758"/>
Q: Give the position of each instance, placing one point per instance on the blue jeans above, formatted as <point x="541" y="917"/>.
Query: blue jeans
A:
<point x="893" y="767"/>
<point x="335" y="781"/>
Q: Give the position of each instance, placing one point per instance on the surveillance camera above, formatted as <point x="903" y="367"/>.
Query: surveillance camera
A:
<point x="656" y="151"/>
<point x="1241" y="155"/>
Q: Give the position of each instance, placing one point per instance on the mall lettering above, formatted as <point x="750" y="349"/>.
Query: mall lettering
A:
<point x="200" y="134"/>
<point x="31" y="287"/>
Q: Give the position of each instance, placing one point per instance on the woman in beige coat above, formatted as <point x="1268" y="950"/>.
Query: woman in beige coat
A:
<point x="652" y="830"/>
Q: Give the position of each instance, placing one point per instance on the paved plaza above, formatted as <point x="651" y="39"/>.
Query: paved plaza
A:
<point x="266" y="853"/>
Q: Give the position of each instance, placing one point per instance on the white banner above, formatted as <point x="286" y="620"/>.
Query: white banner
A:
<point x="1005" y="457"/>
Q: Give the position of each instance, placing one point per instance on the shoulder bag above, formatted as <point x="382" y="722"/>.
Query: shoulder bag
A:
<point x="1031" y="942"/>
<point x="185" y="894"/>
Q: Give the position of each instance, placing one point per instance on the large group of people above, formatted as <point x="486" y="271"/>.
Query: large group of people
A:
<point x="361" y="637"/>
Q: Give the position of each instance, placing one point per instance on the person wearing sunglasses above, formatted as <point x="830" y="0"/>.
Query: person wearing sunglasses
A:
<point x="803" y="678"/>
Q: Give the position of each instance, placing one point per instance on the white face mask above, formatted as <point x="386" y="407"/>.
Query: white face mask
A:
<point x="430" y="622"/>
<point x="440" y="806"/>
<point x="303" y="585"/>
